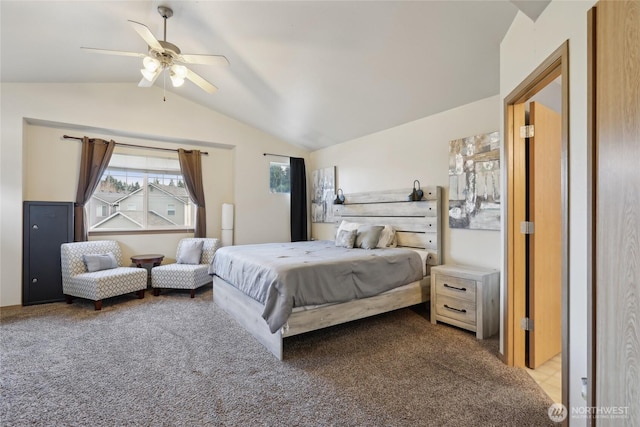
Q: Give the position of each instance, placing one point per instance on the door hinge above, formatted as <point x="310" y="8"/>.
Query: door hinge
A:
<point x="526" y="324"/>
<point x="526" y="227"/>
<point x="526" y="131"/>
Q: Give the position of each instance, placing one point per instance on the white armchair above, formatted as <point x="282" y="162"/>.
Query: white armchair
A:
<point x="186" y="274"/>
<point x="107" y="281"/>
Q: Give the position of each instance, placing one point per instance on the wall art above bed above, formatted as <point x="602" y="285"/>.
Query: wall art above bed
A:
<point x="474" y="182"/>
<point x="323" y="185"/>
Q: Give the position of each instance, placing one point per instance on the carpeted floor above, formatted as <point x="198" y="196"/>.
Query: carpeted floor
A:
<point x="175" y="361"/>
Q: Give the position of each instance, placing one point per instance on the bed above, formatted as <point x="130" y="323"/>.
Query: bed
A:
<point x="267" y="287"/>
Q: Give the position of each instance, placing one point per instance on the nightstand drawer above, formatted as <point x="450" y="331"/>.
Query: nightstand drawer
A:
<point x="464" y="311"/>
<point x="456" y="287"/>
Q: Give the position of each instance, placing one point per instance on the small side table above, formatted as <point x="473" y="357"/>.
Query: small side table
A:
<point x="155" y="259"/>
<point x="140" y="260"/>
<point x="466" y="297"/>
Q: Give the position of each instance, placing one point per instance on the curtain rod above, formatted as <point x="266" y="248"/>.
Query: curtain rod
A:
<point x="277" y="155"/>
<point x="204" y="153"/>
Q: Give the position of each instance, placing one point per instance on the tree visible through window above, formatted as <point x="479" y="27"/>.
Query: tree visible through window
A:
<point x="279" y="179"/>
<point x="141" y="193"/>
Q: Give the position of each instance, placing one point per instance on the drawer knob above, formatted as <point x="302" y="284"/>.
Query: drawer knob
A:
<point x="455" y="309"/>
<point x="455" y="288"/>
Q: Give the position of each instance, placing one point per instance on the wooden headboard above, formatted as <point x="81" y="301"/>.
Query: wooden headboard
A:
<point x="417" y="224"/>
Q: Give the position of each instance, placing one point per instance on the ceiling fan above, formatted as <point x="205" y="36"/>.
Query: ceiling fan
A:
<point x="163" y="55"/>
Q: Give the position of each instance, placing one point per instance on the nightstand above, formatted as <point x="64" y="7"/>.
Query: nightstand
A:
<point x="466" y="297"/>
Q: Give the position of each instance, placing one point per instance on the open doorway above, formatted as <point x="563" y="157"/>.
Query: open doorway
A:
<point x="536" y="280"/>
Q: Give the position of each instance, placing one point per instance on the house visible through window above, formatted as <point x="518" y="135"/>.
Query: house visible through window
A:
<point x="101" y="211"/>
<point x="279" y="179"/>
<point x="141" y="193"/>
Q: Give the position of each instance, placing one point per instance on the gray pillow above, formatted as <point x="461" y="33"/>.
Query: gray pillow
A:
<point x="368" y="236"/>
<point x="190" y="252"/>
<point x="346" y="238"/>
<point x="97" y="262"/>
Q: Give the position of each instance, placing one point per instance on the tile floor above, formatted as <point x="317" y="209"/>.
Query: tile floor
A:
<point x="549" y="377"/>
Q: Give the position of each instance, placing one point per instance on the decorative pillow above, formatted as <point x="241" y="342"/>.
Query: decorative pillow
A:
<point x="347" y="225"/>
<point x="368" y="236"/>
<point x="346" y="238"/>
<point x="190" y="252"/>
<point x="97" y="262"/>
<point x="387" y="237"/>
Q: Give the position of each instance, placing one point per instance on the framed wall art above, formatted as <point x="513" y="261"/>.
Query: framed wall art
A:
<point x="323" y="185"/>
<point x="474" y="182"/>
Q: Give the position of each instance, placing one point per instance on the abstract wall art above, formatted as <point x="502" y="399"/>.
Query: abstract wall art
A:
<point x="474" y="182"/>
<point x="323" y="183"/>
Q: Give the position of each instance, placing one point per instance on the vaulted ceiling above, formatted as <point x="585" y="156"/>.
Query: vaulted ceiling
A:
<point x="313" y="73"/>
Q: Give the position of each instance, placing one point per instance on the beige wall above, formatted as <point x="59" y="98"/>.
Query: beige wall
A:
<point x="52" y="164"/>
<point x="123" y="111"/>
<point x="526" y="46"/>
<point x="395" y="157"/>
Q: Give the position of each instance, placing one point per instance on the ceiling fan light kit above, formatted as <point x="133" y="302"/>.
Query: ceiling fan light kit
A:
<point x="150" y="64"/>
<point x="164" y="55"/>
<point x="178" y="74"/>
<point x="150" y="76"/>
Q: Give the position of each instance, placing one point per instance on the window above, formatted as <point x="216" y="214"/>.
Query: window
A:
<point x="141" y="193"/>
<point x="101" y="210"/>
<point x="279" y="179"/>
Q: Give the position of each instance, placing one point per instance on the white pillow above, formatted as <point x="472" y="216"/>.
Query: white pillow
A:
<point x="348" y="226"/>
<point x="387" y="237"/>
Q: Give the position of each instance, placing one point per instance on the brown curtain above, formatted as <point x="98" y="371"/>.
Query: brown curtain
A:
<point x="96" y="154"/>
<point x="191" y="166"/>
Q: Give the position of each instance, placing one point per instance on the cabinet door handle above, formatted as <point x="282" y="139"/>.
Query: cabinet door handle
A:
<point x="455" y="309"/>
<point x="455" y="288"/>
<point x="34" y="280"/>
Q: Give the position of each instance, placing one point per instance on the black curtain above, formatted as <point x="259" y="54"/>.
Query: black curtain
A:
<point x="298" y="199"/>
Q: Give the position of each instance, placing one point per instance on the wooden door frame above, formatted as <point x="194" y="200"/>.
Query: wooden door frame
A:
<point x="514" y="303"/>
<point x="591" y="212"/>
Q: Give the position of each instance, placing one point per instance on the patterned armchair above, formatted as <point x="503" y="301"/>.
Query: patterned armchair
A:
<point x="182" y="275"/>
<point x="97" y="285"/>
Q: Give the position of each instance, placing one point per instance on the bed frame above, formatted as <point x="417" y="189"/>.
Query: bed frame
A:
<point x="418" y="225"/>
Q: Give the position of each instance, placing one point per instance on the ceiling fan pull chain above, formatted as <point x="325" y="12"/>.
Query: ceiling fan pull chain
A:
<point x="164" y="86"/>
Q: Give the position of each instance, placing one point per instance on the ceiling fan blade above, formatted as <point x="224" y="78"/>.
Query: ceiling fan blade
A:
<point x="146" y="83"/>
<point x="203" y="59"/>
<point x="147" y="35"/>
<point x="199" y="81"/>
<point x="114" y="52"/>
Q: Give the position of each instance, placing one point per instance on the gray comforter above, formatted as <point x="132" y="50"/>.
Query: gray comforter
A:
<point x="286" y="275"/>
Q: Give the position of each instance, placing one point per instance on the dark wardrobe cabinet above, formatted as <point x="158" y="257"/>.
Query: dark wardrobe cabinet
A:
<point x="46" y="225"/>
